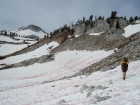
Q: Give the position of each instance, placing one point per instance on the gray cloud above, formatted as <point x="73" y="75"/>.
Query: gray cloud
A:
<point x="52" y="14"/>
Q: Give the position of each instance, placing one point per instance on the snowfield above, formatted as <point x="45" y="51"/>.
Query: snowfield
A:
<point x="8" y="39"/>
<point x="36" y="90"/>
<point x="131" y="29"/>
<point x="6" y="49"/>
<point x="54" y="70"/>
<point x="27" y="32"/>
<point x="43" y="50"/>
<point x="30" y="85"/>
<point x="48" y="83"/>
<point x="31" y="41"/>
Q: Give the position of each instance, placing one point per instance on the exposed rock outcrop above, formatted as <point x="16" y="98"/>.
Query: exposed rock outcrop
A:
<point x="99" y="26"/>
<point x="42" y="59"/>
<point x="104" y="41"/>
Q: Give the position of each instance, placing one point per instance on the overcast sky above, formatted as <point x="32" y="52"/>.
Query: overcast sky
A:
<point x="52" y="14"/>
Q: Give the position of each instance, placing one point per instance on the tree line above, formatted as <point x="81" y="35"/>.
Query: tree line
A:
<point x="90" y="22"/>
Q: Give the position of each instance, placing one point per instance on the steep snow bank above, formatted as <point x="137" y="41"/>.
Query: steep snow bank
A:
<point x="131" y="29"/>
<point x="43" y="50"/>
<point x="6" y="49"/>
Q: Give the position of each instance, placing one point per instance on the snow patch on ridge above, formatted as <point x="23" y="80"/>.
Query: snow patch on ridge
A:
<point x="131" y="29"/>
<point x="27" y="32"/>
<point x="95" y="33"/>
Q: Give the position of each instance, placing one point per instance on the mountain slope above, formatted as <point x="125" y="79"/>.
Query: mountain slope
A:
<point x="30" y="30"/>
<point x="74" y="69"/>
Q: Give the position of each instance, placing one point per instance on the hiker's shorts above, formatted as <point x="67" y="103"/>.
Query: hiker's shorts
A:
<point x="124" y="70"/>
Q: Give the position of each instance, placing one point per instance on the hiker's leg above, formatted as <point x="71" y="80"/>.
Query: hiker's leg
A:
<point x="124" y="74"/>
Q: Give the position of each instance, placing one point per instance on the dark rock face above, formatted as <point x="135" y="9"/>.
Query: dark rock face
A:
<point x="91" y="43"/>
<point x="42" y="59"/>
<point x="34" y="28"/>
<point x="35" y="32"/>
<point x="32" y="37"/>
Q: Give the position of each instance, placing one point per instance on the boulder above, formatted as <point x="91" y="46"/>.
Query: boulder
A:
<point x="84" y="87"/>
<point x="89" y="93"/>
<point x="105" y="68"/>
<point x="61" y="102"/>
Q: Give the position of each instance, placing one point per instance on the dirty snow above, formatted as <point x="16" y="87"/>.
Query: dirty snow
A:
<point x="36" y="90"/>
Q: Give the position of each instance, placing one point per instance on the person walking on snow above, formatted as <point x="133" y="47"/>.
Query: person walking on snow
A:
<point x="124" y="66"/>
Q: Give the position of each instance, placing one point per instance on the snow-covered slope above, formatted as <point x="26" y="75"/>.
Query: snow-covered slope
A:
<point x="29" y="85"/>
<point x="43" y="50"/>
<point x="8" y="39"/>
<point x="65" y="64"/>
<point x="131" y="29"/>
<point x="6" y="49"/>
<point x="30" y="30"/>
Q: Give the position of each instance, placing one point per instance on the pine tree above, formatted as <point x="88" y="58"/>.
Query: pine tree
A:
<point x="113" y="14"/>
<point x="91" y="17"/>
<point x="5" y="32"/>
<point x="136" y="18"/>
<point x="68" y="28"/>
<point x="125" y="17"/>
<point x="103" y="18"/>
<point x="131" y="19"/>
<point x="108" y="21"/>
<point x="100" y="17"/>
<point x="117" y="24"/>
<point x="44" y="36"/>
<point x="84" y="19"/>
<point x="62" y="29"/>
<point x="51" y="33"/>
